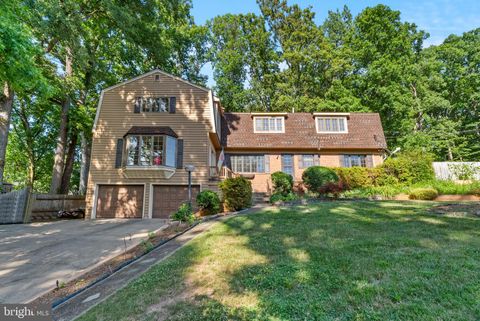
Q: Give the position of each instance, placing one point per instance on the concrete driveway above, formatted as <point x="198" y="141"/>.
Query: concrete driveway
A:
<point x="34" y="256"/>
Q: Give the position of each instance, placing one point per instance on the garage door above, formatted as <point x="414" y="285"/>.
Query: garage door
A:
<point x="120" y="201"/>
<point x="167" y="198"/>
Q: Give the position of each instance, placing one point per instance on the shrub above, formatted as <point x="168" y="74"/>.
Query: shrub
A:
<point x="355" y="177"/>
<point x="410" y="167"/>
<point x="332" y="188"/>
<point x="282" y="183"/>
<point x="464" y="171"/>
<point x="285" y="198"/>
<point x="237" y="193"/>
<point x="147" y="245"/>
<point x="450" y="187"/>
<point x="299" y="189"/>
<point x="184" y="214"/>
<point x="316" y="176"/>
<point x="387" y="191"/>
<point x="209" y="202"/>
<point x="383" y="178"/>
<point x="423" y="194"/>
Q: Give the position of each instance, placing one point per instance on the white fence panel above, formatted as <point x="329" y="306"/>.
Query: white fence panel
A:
<point x="450" y="170"/>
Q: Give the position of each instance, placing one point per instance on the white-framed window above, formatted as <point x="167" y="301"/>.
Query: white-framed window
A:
<point x="153" y="104"/>
<point x="307" y="160"/>
<point x="287" y="164"/>
<point x="151" y="150"/>
<point x="269" y="124"/>
<point x="249" y="163"/>
<point x="331" y="124"/>
<point x="354" y="160"/>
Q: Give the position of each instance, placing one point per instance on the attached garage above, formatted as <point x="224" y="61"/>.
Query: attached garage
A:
<point x="119" y="201"/>
<point x="167" y="198"/>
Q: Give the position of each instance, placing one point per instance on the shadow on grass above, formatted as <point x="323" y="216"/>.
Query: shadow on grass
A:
<point x="331" y="261"/>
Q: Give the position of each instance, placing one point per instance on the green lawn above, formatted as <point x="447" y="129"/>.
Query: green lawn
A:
<point x="332" y="261"/>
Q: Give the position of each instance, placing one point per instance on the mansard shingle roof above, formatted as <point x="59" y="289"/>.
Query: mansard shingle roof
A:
<point x="364" y="132"/>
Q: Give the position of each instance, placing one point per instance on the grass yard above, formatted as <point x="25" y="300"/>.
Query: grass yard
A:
<point x="331" y="261"/>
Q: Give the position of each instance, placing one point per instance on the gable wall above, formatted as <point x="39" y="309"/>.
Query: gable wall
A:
<point x="191" y="122"/>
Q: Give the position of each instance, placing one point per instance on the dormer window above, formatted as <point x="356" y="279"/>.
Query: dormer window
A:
<point x="330" y="124"/>
<point x="266" y="124"/>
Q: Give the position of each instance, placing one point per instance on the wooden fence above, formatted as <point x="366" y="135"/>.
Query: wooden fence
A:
<point x="457" y="170"/>
<point x="23" y="206"/>
<point x="46" y="206"/>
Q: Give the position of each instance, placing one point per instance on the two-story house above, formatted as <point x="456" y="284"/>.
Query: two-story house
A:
<point x="149" y="128"/>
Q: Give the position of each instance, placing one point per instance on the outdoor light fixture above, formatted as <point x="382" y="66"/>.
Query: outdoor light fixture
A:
<point x="189" y="169"/>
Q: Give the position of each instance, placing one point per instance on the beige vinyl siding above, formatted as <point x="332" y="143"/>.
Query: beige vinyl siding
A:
<point x="191" y="122"/>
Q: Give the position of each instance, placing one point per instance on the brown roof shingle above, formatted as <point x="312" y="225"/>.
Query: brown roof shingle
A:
<point x="364" y="132"/>
<point x="151" y="130"/>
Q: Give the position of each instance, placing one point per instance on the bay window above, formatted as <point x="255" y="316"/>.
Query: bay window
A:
<point x="151" y="150"/>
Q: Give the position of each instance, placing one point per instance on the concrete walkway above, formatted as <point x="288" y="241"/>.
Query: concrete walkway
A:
<point x="34" y="256"/>
<point x="92" y="296"/>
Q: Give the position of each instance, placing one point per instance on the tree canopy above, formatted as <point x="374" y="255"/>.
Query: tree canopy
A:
<point x="55" y="57"/>
<point x="375" y="62"/>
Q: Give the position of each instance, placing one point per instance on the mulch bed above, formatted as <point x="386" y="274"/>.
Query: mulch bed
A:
<point x="105" y="269"/>
<point x="457" y="210"/>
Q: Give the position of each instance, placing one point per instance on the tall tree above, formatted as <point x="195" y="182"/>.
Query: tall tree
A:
<point x="29" y="157"/>
<point x="98" y="44"/>
<point x="385" y="49"/>
<point x="244" y="60"/>
<point x="18" y="68"/>
<point x="304" y="53"/>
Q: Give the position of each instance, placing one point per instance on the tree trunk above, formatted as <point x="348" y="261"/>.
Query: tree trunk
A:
<point x="419" y="114"/>
<point x="67" y="172"/>
<point x="59" y="159"/>
<point x="450" y="154"/>
<point x="6" y="102"/>
<point x="28" y="140"/>
<point x="85" y="163"/>
<point x="31" y="173"/>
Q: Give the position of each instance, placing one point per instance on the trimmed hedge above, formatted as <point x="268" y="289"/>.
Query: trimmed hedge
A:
<point x="208" y="202"/>
<point x="405" y="169"/>
<point x="237" y="193"/>
<point x="285" y="198"/>
<point x="427" y="194"/>
<point x="282" y="183"/>
<point x="315" y="177"/>
<point x="356" y="177"/>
